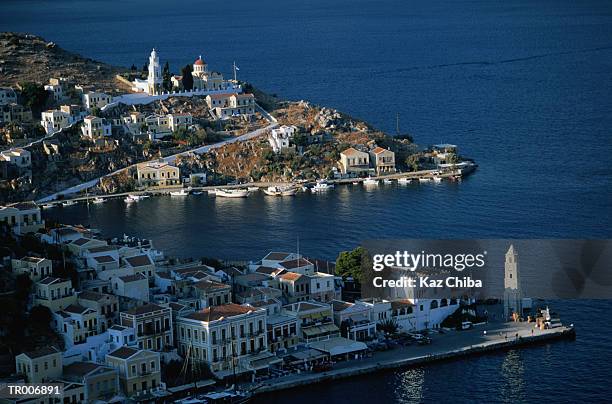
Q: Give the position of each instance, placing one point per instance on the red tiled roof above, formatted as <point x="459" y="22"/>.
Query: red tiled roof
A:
<point x="219" y="312"/>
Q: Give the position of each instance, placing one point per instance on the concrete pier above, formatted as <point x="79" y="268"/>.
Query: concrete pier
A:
<point x="455" y="344"/>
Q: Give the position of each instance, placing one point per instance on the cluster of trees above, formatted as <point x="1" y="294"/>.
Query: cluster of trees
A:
<point x="34" y="96"/>
<point x="348" y="264"/>
<point x="195" y="137"/>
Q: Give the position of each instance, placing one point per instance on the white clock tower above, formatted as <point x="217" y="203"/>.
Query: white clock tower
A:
<point x="513" y="296"/>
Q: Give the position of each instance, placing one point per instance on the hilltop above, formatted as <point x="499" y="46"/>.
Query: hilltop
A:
<point x="30" y="58"/>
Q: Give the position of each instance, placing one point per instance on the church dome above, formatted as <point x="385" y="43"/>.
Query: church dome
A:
<point x="199" y="62"/>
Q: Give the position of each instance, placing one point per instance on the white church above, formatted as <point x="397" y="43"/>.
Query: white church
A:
<point x="204" y="80"/>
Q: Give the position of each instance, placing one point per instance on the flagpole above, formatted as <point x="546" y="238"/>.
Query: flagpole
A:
<point x="235" y="81"/>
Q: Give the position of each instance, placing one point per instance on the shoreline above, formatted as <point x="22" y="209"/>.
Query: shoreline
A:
<point x="374" y="366"/>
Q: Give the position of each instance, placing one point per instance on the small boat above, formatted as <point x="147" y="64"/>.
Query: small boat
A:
<point x="98" y="200"/>
<point x="355" y="182"/>
<point x="69" y="203"/>
<point x="232" y="193"/>
<point x="182" y="192"/>
<point x="387" y="181"/>
<point x="437" y="180"/>
<point x="370" y="181"/>
<point x="48" y="206"/>
<point x="253" y="189"/>
<point x="424" y="179"/>
<point x="289" y="191"/>
<point x="134" y="198"/>
<point x="404" y="180"/>
<point x="197" y="193"/>
<point x="321" y="186"/>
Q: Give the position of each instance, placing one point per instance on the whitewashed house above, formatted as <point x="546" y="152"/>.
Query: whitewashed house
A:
<point x="280" y="138"/>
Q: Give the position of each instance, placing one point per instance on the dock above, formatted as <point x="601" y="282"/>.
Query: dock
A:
<point x="450" y="346"/>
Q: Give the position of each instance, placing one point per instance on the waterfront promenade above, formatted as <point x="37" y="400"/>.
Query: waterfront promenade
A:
<point x="453" y="344"/>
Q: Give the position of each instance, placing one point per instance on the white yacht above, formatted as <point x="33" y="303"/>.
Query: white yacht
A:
<point x="370" y="182"/>
<point x="98" y="200"/>
<point x="424" y="179"/>
<point x="321" y="186"/>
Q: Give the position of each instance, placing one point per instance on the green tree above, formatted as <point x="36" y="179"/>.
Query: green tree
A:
<point x="388" y="326"/>
<point x="34" y="96"/>
<point x="167" y="76"/>
<point x="187" y="79"/>
<point x="300" y="139"/>
<point x="348" y="264"/>
<point x="412" y="162"/>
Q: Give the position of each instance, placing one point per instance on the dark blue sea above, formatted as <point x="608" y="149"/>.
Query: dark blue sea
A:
<point x="523" y="87"/>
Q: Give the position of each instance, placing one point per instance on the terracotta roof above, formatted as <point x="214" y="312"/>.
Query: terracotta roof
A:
<point x="124" y="352"/>
<point x="266" y="270"/>
<point x="48" y="350"/>
<point x="290" y="276"/>
<point x="199" y="62"/>
<point x="219" y="312"/>
<point x="379" y="150"/>
<point x="104" y="258"/>
<point x="81" y="369"/>
<point x="75" y="308"/>
<point x="276" y="256"/>
<point x="298" y="263"/>
<point x="139" y="260"/>
<point x="350" y="151"/>
<point x="210" y="285"/>
<point x="398" y="304"/>
<point x="132" y="278"/>
<point x="92" y="296"/>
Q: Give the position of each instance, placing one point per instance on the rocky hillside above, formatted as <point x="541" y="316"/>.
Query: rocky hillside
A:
<point x="25" y="57"/>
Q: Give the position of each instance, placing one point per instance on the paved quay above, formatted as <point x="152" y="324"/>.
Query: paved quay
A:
<point x="453" y="344"/>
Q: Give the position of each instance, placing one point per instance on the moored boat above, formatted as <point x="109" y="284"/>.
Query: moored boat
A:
<point x="321" y="186"/>
<point x="424" y="179"/>
<point x="69" y="203"/>
<point x="404" y="180"/>
<point x="370" y="181"/>
<point x="280" y="191"/>
<point x="98" y="200"/>
<point x="182" y="192"/>
<point x="134" y="198"/>
<point x="437" y="179"/>
<point x="232" y="193"/>
<point x="387" y="181"/>
<point x="253" y="189"/>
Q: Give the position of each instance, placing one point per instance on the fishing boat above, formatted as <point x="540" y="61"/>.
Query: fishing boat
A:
<point x="370" y="181"/>
<point x="404" y="180"/>
<point x="387" y="181"/>
<point x="182" y="192"/>
<point x="280" y="191"/>
<point x="424" y="179"/>
<point x="69" y="203"/>
<point x="355" y="182"/>
<point x="321" y="186"/>
<point x="232" y="193"/>
<point x="98" y="200"/>
<point x="437" y="180"/>
<point x="253" y="189"/>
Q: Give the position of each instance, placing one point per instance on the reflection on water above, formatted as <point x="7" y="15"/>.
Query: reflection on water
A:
<point x="512" y="388"/>
<point x="409" y="388"/>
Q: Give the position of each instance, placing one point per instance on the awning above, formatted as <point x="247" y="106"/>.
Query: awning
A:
<point x="338" y="346"/>
<point x="263" y="360"/>
<point x="320" y="330"/>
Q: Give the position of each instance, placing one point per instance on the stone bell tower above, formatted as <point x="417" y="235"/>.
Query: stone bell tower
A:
<point x="513" y="295"/>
